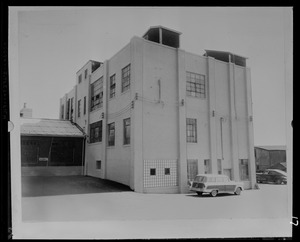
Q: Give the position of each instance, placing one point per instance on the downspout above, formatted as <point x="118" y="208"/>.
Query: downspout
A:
<point x="49" y="155"/>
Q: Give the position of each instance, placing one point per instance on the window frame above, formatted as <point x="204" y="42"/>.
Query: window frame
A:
<point x="112" y="83"/>
<point x="111" y="128"/>
<point x="191" y="130"/>
<point x="78" y="110"/>
<point x="93" y="127"/>
<point x="97" y="94"/>
<point x="195" y="85"/>
<point x="126" y="136"/>
<point x="125" y="78"/>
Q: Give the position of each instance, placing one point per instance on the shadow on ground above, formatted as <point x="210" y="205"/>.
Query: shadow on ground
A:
<point x="35" y="186"/>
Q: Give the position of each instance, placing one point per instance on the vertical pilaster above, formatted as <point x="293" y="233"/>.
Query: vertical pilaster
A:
<point x="104" y="119"/>
<point x="233" y="125"/>
<point x="136" y="86"/>
<point x="182" y="149"/>
<point x="212" y="114"/>
<point x="252" y="169"/>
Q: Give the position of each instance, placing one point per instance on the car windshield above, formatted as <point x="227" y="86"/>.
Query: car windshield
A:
<point x="200" y="179"/>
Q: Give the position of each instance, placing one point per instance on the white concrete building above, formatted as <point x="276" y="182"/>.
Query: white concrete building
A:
<point x="156" y="115"/>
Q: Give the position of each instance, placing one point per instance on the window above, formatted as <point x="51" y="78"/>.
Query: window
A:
<point x="97" y="94"/>
<point x="195" y="85"/>
<point x="126" y="123"/>
<point x="219" y="166"/>
<point x="126" y="78"/>
<point x="192" y="168"/>
<point x="112" y="86"/>
<point x="85" y="73"/>
<point x="96" y="132"/>
<point x="207" y="166"/>
<point x="191" y="130"/>
<point x="84" y="106"/>
<point x="79" y="78"/>
<point x="244" y="171"/>
<point x="68" y="109"/>
<point x="72" y="101"/>
<point x="98" y="164"/>
<point x="62" y="112"/>
<point x="167" y="171"/>
<point x="79" y="102"/>
<point x="152" y="171"/>
<point x="111" y="134"/>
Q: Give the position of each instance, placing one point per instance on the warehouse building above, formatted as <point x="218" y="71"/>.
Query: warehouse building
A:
<point x="156" y="115"/>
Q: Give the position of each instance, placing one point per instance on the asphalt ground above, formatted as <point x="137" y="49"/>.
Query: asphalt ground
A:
<point x="35" y="186"/>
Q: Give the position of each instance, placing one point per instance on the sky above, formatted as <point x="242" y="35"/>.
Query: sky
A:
<point x="54" y="43"/>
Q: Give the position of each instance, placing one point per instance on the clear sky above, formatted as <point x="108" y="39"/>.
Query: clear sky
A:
<point x="54" y="43"/>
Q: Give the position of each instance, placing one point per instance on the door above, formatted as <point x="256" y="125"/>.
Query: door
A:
<point x="192" y="169"/>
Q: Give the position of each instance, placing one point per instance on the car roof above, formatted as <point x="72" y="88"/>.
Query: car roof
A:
<point x="277" y="170"/>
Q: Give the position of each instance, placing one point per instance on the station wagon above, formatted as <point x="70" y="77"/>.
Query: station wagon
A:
<point x="214" y="184"/>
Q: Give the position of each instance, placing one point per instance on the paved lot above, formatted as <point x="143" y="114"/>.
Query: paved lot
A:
<point x="270" y="201"/>
<point x="62" y="185"/>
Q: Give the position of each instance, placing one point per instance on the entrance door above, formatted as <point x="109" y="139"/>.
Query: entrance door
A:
<point x="192" y="169"/>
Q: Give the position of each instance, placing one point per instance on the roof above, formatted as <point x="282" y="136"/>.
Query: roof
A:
<point x="272" y="147"/>
<point x="215" y="52"/>
<point x="162" y="27"/>
<point x="49" y="127"/>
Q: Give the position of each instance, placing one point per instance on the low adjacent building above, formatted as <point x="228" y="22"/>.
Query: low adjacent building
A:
<point x="270" y="157"/>
<point x="51" y="147"/>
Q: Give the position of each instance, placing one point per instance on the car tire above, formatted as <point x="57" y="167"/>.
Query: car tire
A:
<point x="214" y="193"/>
<point x="278" y="181"/>
<point x="199" y="193"/>
<point x="238" y="191"/>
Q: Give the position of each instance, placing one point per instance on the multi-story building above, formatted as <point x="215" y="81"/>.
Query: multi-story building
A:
<point x="156" y="115"/>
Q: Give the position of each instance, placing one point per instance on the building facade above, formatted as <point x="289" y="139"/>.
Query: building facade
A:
<point x="156" y="115"/>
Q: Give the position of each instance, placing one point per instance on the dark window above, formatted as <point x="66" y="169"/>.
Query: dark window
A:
<point x="98" y="164"/>
<point x="62" y="111"/>
<point x="152" y="171"/>
<point x="244" y="170"/>
<point x="195" y="85"/>
<point x="79" y="78"/>
<point x="85" y="73"/>
<point x="167" y="171"/>
<point x="112" y="86"/>
<point x="219" y="166"/>
<point x="126" y="123"/>
<point x="68" y="109"/>
<point x="84" y="105"/>
<point x="126" y="78"/>
<point x="191" y="130"/>
<point x="111" y="134"/>
<point x="96" y="132"/>
<point x="79" y="102"/>
<point x="97" y="94"/>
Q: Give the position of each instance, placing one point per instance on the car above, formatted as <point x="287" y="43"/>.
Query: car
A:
<point x="272" y="176"/>
<point x="215" y="184"/>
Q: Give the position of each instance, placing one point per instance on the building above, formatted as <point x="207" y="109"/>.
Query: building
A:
<point x="157" y="115"/>
<point x="270" y="157"/>
<point x="51" y="147"/>
<point x="26" y="112"/>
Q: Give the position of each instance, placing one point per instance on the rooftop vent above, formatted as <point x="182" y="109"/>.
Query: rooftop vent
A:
<point x="227" y="57"/>
<point x="163" y="35"/>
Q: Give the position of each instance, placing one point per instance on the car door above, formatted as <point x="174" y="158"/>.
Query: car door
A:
<point x="230" y="186"/>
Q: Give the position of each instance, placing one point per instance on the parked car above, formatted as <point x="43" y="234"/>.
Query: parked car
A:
<point x="271" y="175"/>
<point x="214" y="184"/>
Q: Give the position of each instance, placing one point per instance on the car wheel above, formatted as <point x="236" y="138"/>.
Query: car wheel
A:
<point x="278" y="181"/>
<point x="214" y="193"/>
<point x="199" y="193"/>
<point x="238" y="191"/>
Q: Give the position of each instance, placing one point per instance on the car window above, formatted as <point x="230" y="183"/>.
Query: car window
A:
<point x="219" y="179"/>
<point x="273" y="173"/>
<point x="200" y="179"/>
<point x="211" y="179"/>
